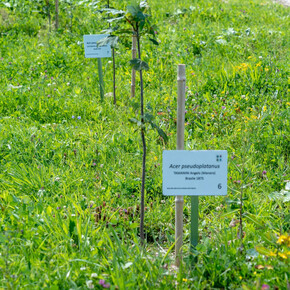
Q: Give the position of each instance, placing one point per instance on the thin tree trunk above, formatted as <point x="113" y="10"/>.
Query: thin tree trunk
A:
<point x="56" y="14"/>
<point x="48" y="14"/>
<point x="142" y="207"/>
<point x="134" y="53"/>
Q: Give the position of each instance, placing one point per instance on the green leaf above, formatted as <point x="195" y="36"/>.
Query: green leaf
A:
<point x="198" y="124"/>
<point x="133" y="10"/>
<point x="115" y="19"/>
<point x="72" y="226"/>
<point x="112" y="11"/>
<point x="111" y="29"/>
<point x="3" y="238"/>
<point x="127" y="265"/>
<point x="252" y="253"/>
<point x="7" y="4"/>
<point x="136" y="13"/>
<point x="133" y="120"/>
<point x="141" y="25"/>
<point x="167" y="253"/>
<point x="262" y="250"/>
<point x="287" y="218"/>
<point x="135" y="105"/>
<point x="149" y="107"/>
<point x="152" y="30"/>
<point x="108" y="31"/>
<point x="154" y="41"/>
<point x="148" y="117"/>
<point x="114" y="41"/>
<point x="283" y="195"/>
<point x="138" y="64"/>
<point x="134" y="225"/>
<point x="124" y="31"/>
<point x="161" y="133"/>
<point x="111" y="40"/>
<point x="144" y="4"/>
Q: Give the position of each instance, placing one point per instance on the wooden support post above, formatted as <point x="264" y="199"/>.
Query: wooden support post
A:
<point x="180" y="146"/>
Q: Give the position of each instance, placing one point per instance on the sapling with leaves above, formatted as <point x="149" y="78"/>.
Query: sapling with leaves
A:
<point x="138" y="19"/>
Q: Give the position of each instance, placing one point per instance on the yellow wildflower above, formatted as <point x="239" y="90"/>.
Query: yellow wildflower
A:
<point x="282" y="255"/>
<point x="272" y="254"/>
<point x="282" y="239"/>
<point x="266" y="69"/>
<point x="243" y="67"/>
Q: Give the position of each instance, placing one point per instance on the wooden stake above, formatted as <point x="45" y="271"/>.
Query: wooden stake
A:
<point x="180" y="146"/>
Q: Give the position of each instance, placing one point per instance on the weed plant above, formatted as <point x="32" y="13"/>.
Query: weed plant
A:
<point x="70" y="165"/>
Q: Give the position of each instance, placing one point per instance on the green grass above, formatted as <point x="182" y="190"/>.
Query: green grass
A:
<point x="70" y="165"/>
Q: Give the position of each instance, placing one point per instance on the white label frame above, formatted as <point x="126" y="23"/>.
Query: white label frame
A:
<point x="194" y="173"/>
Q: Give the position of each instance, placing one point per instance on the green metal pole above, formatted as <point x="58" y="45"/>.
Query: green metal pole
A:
<point x="194" y="223"/>
<point x="101" y="80"/>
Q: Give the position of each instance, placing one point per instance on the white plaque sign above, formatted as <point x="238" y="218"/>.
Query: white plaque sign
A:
<point x="91" y="48"/>
<point x="195" y="172"/>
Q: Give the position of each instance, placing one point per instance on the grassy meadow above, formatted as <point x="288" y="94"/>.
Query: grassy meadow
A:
<point x="70" y="163"/>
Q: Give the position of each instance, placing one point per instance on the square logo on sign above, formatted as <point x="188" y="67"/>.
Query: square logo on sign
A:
<point x="219" y="158"/>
